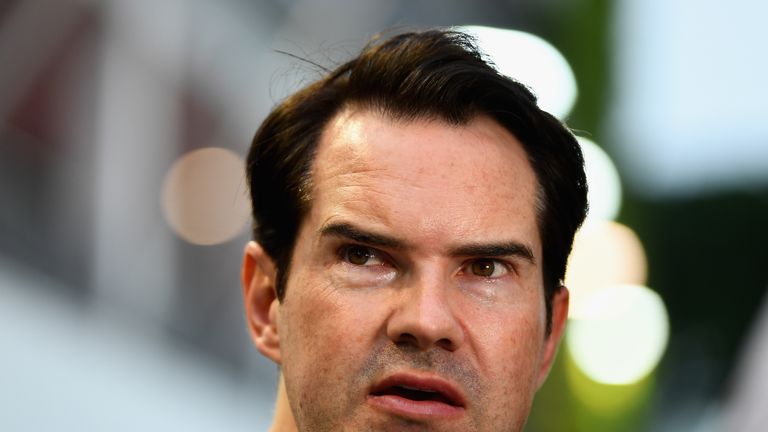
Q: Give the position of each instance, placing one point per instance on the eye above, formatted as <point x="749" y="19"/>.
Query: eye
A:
<point x="361" y="255"/>
<point x="488" y="268"/>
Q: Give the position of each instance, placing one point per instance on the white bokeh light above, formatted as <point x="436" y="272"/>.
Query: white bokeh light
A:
<point x="622" y="337"/>
<point x="204" y="199"/>
<point x="604" y="183"/>
<point x="532" y="61"/>
<point x="604" y="253"/>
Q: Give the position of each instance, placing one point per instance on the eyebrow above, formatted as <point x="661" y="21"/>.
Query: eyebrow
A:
<point x="492" y="250"/>
<point x="489" y="250"/>
<point x="361" y="236"/>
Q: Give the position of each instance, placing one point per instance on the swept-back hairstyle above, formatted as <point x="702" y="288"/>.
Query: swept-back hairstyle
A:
<point x="433" y="74"/>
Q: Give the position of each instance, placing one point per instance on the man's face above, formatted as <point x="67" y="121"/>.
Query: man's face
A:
<point x="415" y="298"/>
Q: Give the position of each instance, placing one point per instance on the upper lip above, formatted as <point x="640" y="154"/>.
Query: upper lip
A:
<point x="421" y="382"/>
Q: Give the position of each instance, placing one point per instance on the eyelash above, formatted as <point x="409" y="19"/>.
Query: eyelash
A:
<point x="370" y="253"/>
<point x="507" y="267"/>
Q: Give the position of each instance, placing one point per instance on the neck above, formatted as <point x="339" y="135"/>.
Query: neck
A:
<point x="283" y="421"/>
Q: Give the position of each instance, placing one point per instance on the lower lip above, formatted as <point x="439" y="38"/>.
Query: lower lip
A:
<point x="413" y="409"/>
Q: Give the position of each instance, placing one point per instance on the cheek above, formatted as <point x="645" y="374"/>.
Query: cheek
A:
<point x="324" y="325"/>
<point x="511" y="339"/>
<point x="314" y="346"/>
<point x="514" y="369"/>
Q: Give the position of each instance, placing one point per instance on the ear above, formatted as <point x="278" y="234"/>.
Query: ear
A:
<point x="261" y="304"/>
<point x="559" y="318"/>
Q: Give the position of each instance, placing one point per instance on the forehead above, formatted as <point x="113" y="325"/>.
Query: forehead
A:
<point x="424" y="176"/>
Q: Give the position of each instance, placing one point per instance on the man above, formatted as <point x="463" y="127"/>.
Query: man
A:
<point x="414" y="211"/>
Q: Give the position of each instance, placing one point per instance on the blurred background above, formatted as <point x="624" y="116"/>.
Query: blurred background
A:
<point x="123" y="208"/>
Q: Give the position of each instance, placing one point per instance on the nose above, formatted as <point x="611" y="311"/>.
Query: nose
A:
<point x="424" y="318"/>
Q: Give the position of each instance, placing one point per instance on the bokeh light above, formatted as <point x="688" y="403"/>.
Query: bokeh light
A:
<point x="533" y="61"/>
<point x="621" y="336"/>
<point x="604" y="183"/>
<point x="204" y="198"/>
<point x="606" y="400"/>
<point x="604" y="254"/>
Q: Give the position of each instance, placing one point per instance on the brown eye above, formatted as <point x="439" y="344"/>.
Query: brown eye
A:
<point x="487" y="268"/>
<point x="358" y="255"/>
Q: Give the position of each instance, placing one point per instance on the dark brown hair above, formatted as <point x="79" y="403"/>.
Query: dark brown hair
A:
<point x="435" y="74"/>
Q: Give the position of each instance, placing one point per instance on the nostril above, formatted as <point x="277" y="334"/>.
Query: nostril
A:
<point x="407" y="339"/>
<point x="445" y="344"/>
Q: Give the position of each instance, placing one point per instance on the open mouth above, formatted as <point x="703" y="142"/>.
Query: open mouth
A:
<point x="416" y="394"/>
<point x="418" y="397"/>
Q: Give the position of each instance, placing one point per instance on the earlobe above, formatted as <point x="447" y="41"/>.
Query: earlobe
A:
<point x="261" y="305"/>
<point x="559" y="318"/>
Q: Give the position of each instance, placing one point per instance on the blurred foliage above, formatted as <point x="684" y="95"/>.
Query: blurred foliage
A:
<point x="707" y="258"/>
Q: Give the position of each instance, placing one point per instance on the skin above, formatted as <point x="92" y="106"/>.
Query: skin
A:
<point x="420" y="258"/>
